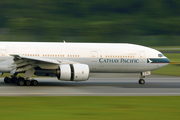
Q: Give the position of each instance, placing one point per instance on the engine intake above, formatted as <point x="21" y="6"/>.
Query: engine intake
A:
<point x="73" y="72"/>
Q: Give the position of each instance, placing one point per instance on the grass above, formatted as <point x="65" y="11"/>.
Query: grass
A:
<point x="172" y="70"/>
<point x="96" y="108"/>
<point x="173" y="57"/>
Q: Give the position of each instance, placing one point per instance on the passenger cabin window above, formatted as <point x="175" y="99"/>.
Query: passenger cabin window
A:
<point x="160" y="55"/>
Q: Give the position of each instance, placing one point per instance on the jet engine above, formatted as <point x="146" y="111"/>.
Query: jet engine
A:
<point x="73" y="72"/>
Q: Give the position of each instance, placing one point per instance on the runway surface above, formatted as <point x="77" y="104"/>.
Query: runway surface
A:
<point x="98" y="85"/>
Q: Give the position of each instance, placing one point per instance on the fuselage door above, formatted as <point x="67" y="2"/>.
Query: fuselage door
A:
<point x="94" y="65"/>
<point x="142" y="54"/>
<point x="142" y="57"/>
<point x="94" y="56"/>
<point x="3" y="52"/>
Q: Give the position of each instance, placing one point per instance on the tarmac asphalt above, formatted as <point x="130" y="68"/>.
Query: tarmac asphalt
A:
<point x="99" y="84"/>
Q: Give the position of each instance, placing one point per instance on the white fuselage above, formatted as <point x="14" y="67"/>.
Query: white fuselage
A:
<point x="100" y="57"/>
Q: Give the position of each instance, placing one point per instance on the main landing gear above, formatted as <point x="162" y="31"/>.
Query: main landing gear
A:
<point x="141" y="80"/>
<point x="21" y="81"/>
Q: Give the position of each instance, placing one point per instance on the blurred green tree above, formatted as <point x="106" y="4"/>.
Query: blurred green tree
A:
<point x="95" y="20"/>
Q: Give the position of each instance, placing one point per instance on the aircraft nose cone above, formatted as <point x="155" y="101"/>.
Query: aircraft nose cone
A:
<point x="167" y="60"/>
<point x="163" y="62"/>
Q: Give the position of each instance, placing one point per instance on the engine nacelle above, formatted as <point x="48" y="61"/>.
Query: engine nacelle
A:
<point x="73" y="72"/>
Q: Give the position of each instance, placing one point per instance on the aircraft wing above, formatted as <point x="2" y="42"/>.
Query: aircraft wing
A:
<point x="25" y="63"/>
<point x="17" y="59"/>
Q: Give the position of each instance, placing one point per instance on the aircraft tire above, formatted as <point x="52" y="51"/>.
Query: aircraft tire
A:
<point x="5" y="79"/>
<point x="141" y="81"/>
<point x="14" y="80"/>
<point x="8" y="80"/>
<point x="21" y="82"/>
<point x="34" y="82"/>
<point x="28" y="82"/>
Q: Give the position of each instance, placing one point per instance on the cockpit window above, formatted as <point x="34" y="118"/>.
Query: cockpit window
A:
<point x="160" y="55"/>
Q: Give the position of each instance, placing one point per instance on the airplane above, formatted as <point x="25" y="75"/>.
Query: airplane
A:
<point x="75" y="61"/>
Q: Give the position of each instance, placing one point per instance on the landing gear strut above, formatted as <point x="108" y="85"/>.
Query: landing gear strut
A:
<point x="141" y="80"/>
<point x="21" y="81"/>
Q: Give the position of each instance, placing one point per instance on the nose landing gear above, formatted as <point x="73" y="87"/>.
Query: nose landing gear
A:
<point x="142" y="76"/>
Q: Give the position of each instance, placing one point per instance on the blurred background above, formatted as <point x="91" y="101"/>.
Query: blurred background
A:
<point x="145" y="22"/>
